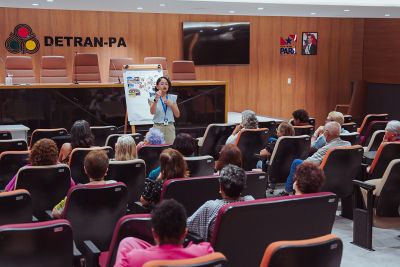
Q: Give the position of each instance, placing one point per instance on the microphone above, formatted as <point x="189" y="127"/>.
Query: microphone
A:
<point x="119" y="80"/>
<point x="76" y="79"/>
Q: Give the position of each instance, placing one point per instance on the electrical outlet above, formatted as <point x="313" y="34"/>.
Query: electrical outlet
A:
<point x="289" y="80"/>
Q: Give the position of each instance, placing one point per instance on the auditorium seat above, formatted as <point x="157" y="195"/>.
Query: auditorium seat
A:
<point x="311" y="121"/>
<point x="151" y="155"/>
<point x="5" y="135"/>
<point x="21" y="68"/>
<point x="136" y="225"/>
<point x="115" y="69"/>
<point x="10" y="162"/>
<point x="381" y="205"/>
<point x="183" y="70"/>
<point x="323" y="251"/>
<point x="261" y="222"/>
<point x="53" y="69"/>
<point x="387" y="152"/>
<point x="86" y="68"/>
<point x="287" y="149"/>
<point x="250" y="142"/>
<point x="93" y="211"/>
<point x="13" y="145"/>
<point x="351" y="127"/>
<point x="15" y="207"/>
<point x="113" y="138"/>
<point x="303" y="130"/>
<point x="370" y="118"/>
<point x="214" y="138"/>
<point x="101" y="133"/>
<point x="76" y="163"/>
<point x="215" y="259"/>
<point x="375" y="141"/>
<point x="47" y="185"/>
<point x="341" y="166"/>
<point x="372" y="127"/>
<point x="38" y="134"/>
<point x="158" y="60"/>
<point x="348" y="118"/>
<point x="37" y="244"/>
<point x="130" y="172"/>
<point x="200" y="165"/>
<point x="353" y="138"/>
<point x="256" y="182"/>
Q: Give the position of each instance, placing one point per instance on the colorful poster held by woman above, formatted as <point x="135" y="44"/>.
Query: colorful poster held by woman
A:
<point x="309" y="43"/>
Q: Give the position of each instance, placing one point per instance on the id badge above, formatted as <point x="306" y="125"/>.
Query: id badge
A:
<point x="165" y="122"/>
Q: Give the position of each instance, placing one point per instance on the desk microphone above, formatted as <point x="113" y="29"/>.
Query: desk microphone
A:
<point x="119" y="80"/>
<point x="76" y="78"/>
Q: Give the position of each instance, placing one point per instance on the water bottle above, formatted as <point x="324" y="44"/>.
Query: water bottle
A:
<point x="9" y="79"/>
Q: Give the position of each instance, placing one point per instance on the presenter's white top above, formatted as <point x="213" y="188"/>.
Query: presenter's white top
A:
<point x="163" y="112"/>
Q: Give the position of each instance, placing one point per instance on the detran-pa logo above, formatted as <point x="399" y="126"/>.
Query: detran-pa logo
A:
<point x="23" y="40"/>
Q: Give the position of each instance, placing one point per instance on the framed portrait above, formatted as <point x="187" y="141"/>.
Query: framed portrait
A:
<point x="309" y="43"/>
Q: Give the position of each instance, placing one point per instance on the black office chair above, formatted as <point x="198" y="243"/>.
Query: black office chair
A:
<point x="151" y="155"/>
<point x="10" y="163"/>
<point x="13" y="145"/>
<point x="15" y="207"/>
<point x="250" y="142"/>
<point x="5" y="135"/>
<point x="46" y="133"/>
<point x="101" y="133"/>
<point x="200" y="165"/>
<point x="214" y="138"/>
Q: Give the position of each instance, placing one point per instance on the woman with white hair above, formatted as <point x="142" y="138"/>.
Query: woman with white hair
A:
<point x="318" y="139"/>
<point x="125" y="148"/>
<point x="392" y="132"/>
<point x="249" y="121"/>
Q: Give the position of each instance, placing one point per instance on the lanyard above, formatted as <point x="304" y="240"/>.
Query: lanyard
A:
<point x="165" y="107"/>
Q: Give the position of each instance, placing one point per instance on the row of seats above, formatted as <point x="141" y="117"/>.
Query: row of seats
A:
<point x="53" y="69"/>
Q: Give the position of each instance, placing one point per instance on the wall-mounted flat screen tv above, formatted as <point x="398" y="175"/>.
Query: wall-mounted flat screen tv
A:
<point x="216" y="43"/>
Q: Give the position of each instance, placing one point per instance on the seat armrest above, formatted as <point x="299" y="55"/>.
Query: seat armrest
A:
<point x="259" y="157"/>
<point x="138" y="208"/>
<point x="79" y="260"/>
<point x="200" y="141"/>
<point x="91" y="253"/>
<point x="364" y="185"/>
<point x="192" y="237"/>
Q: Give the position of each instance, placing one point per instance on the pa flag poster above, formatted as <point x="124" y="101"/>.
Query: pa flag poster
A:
<point x="288" y="45"/>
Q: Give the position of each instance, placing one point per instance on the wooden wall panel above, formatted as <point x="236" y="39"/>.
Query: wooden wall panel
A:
<point x="318" y="82"/>
<point x="381" y="51"/>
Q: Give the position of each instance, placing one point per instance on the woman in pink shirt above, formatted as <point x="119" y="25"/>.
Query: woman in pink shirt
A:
<point x="169" y="230"/>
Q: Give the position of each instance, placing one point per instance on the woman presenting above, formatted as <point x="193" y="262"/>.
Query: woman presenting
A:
<point x="164" y="109"/>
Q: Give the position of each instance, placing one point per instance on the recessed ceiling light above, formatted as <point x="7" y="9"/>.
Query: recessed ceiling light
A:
<point x="260" y="8"/>
<point x="313" y="13"/>
<point x="346" y="10"/>
<point x="139" y="8"/>
<point x="35" y="4"/>
<point x="162" y="5"/>
<point x="231" y="11"/>
<point x="387" y="15"/>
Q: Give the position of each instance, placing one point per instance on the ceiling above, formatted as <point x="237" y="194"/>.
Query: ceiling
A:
<point x="302" y="8"/>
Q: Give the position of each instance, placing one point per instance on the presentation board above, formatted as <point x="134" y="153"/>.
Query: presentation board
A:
<point x="139" y="83"/>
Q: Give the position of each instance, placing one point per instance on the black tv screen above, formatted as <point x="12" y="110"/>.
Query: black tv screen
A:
<point x="216" y="43"/>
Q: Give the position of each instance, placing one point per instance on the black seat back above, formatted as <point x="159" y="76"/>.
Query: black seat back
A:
<point x="261" y="222"/>
<point x="10" y="163"/>
<point x="370" y="118"/>
<point x="256" y="184"/>
<point x="200" y="166"/>
<point x="372" y="127"/>
<point x="250" y="142"/>
<point x="101" y="133"/>
<point x="13" y="145"/>
<point x="351" y="127"/>
<point x="93" y="211"/>
<point x="5" y="135"/>
<point x="76" y="163"/>
<point x="130" y="172"/>
<point x="151" y="155"/>
<point x="388" y="202"/>
<point x="15" y="207"/>
<point x="287" y="148"/>
<point x="303" y="130"/>
<point x="135" y="225"/>
<point x="353" y="138"/>
<point x="376" y="140"/>
<point x="48" y="185"/>
<point x="214" y="138"/>
<point x="191" y="192"/>
<point x="385" y="154"/>
<point x="36" y="244"/>
<point x="46" y="133"/>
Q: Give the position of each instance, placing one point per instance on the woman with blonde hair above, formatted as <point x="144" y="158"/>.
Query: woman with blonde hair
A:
<point x="125" y="148"/>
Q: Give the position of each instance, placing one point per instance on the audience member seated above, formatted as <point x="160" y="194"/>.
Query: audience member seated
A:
<point x="183" y="143"/>
<point x="81" y="137"/>
<point x="318" y="139"/>
<point x="392" y="132"/>
<point x="168" y="221"/>
<point x="249" y="121"/>
<point x="284" y="129"/>
<point x="96" y="166"/>
<point x="172" y="165"/>
<point x="308" y="179"/>
<point x="153" y="137"/>
<point x="232" y="182"/>
<point x="125" y="148"/>
<point x="300" y="117"/>
<point x="332" y="137"/>
<point x="44" y="153"/>
<point x="229" y="154"/>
